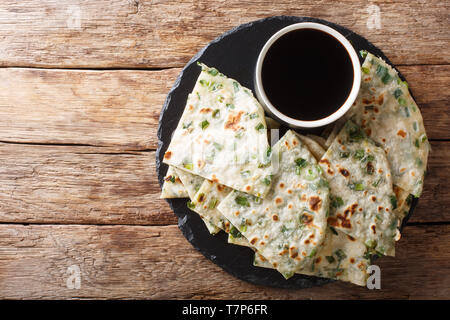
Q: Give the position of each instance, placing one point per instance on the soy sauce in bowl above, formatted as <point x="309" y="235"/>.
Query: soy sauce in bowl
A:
<point x="307" y="74"/>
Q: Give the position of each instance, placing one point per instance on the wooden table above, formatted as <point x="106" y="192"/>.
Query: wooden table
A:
<point x="81" y="88"/>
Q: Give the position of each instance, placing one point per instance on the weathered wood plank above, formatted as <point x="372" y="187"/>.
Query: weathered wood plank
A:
<point x="92" y="185"/>
<point x="143" y="33"/>
<point x="121" y="108"/>
<point x="48" y="184"/>
<point x="118" y="108"/>
<point x="158" y="263"/>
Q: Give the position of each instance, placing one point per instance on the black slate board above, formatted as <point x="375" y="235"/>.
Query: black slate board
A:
<point x="234" y="54"/>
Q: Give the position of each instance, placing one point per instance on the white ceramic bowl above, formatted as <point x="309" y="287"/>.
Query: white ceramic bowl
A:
<point x="304" y="124"/>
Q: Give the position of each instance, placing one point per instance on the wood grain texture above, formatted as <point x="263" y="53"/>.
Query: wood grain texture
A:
<point x="69" y="184"/>
<point x="140" y="33"/>
<point x="101" y="185"/>
<point x="121" y="108"/>
<point x="158" y="263"/>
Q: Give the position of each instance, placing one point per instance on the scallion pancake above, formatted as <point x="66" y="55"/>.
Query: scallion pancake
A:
<point x="289" y="224"/>
<point x="222" y="135"/>
<point x="362" y="195"/>
<point x="341" y="257"/>
<point x="172" y="186"/>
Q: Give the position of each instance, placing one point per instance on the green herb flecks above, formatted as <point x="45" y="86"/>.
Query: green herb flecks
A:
<point x="204" y="124"/>
<point x="187" y="125"/>
<point x="216" y="113"/>
<point x="188" y="166"/>
<point x="397" y="93"/>
<point x="336" y="202"/>
<point x="218" y="146"/>
<point x="330" y="259"/>
<point x="242" y="201"/>
<point x="245" y="173"/>
<point x="259" y="127"/>
<point x="190" y="204"/>
<point x="356" y="186"/>
<point x="236" y="86"/>
<point x="213" y="71"/>
<point x="363" y="53"/>
<point x="267" y="180"/>
<point x="393" y="199"/>
<point x="235" y="233"/>
<point x="213" y="203"/>
<point x="253" y="115"/>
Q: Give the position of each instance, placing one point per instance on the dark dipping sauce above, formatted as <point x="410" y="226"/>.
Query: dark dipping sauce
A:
<point x="307" y="74"/>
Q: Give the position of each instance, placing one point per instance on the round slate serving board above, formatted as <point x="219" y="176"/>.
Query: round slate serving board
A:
<point x="234" y="54"/>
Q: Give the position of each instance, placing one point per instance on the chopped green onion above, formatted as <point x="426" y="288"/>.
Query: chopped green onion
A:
<point x="235" y="232"/>
<point x="236" y="86"/>
<point x="344" y="154"/>
<point x="336" y="202"/>
<point x="213" y="71"/>
<point x="216" y="113"/>
<point x="402" y="101"/>
<point x="230" y="106"/>
<point x="300" y="162"/>
<point x="359" y="154"/>
<point x="356" y="186"/>
<point x="242" y="201"/>
<point x="313" y="253"/>
<point x="363" y="53"/>
<point x="397" y="93"/>
<point x="416" y="143"/>
<point x="245" y="173"/>
<point x="340" y="254"/>
<point x="187" y="125"/>
<point x="259" y="127"/>
<point x="267" y="180"/>
<point x="204" y="124"/>
<point x="330" y="259"/>
<point x="218" y="146"/>
<point x="188" y="166"/>
<point x="213" y="203"/>
<point x="253" y="115"/>
<point x="190" y="204"/>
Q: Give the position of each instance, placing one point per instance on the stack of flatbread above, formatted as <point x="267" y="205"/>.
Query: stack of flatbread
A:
<point x="310" y="205"/>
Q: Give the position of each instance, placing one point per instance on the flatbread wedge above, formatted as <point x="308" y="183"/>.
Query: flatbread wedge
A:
<point x="362" y="195"/>
<point x="289" y="224"/>
<point x="172" y="186"/>
<point x="222" y="135"/>
<point x="192" y="183"/>
<point x="340" y="257"/>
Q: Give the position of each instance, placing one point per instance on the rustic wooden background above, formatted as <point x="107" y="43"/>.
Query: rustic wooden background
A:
<point x="81" y="88"/>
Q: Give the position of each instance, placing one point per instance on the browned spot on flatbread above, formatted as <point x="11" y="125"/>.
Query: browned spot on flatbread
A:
<point x="352" y="260"/>
<point x="315" y="203"/>
<point x="374" y="228"/>
<point x="205" y="110"/>
<point x="200" y="164"/>
<point x="233" y="121"/>
<point x="168" y="155"/>
<point x="278" y="200"/>
<point x="275" y="217"/>
<point x="248" y="188"/>
<point x="318" y="260"/>
<point x="253" y="241"/>
<point x="380" y="101"/>
<point x="307" y="219"/>
<point x="294" y="142"/>
<point x="281" y="185"/>
<point x="344" y="172"/>
<point x="401" y="133"/>
<point x="374" y="198"/>
<point x="214" y="178"/>
<point x="220" y="187"/>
